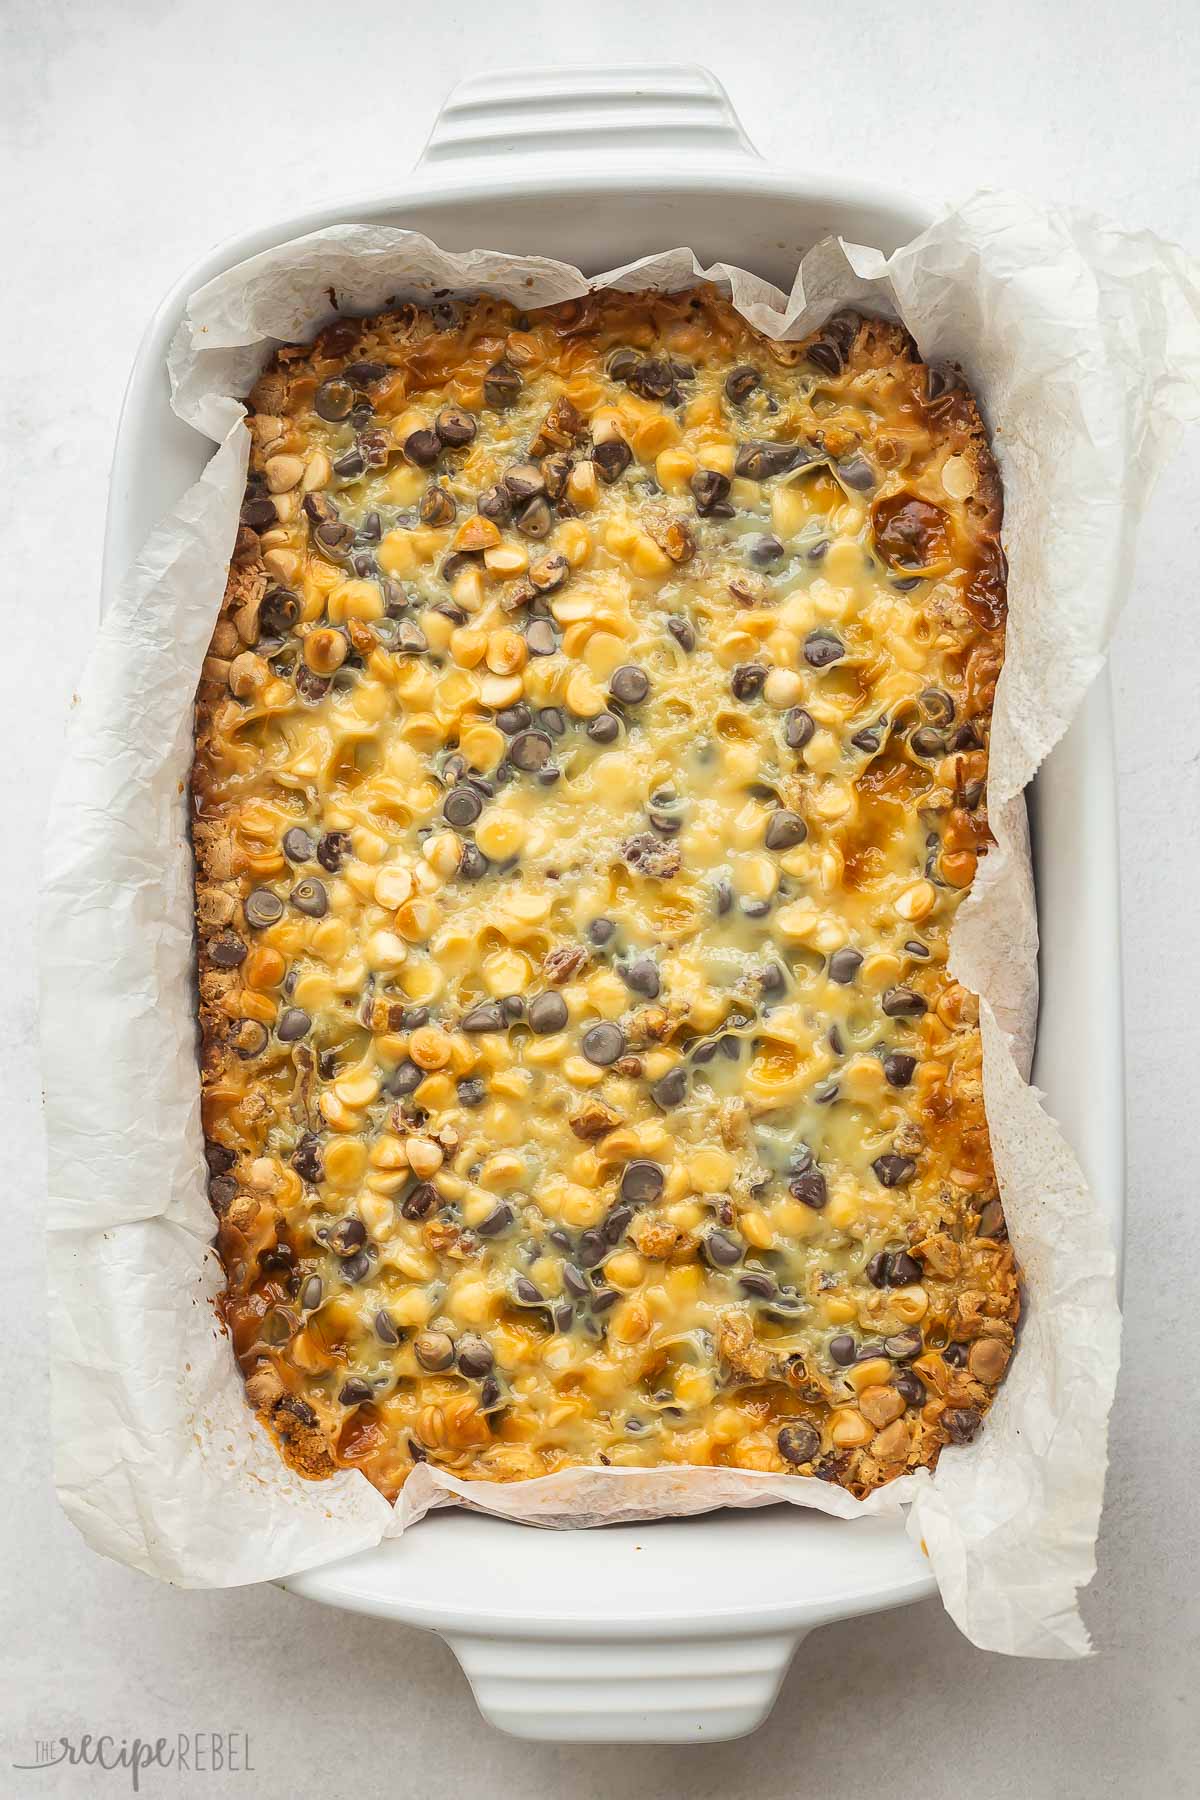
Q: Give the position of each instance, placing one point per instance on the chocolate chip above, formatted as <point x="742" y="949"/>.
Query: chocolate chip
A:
<point x="936" y="705"/>
<point x="462" y="806"/>
<point x="535" y="517"/>
<point x="547" y="1014"/>
<point x="601" y="931"/>
<point x="605" y="728"/>
<point x="294" y="1023"/>
<point x="870" y="737"/>
<point x="405" y="1079"/>
<point x="622" y="363"/>
<point x="991" y="1221"/>
<point x="612" y="458"/>
<point x="530" y="750"/>
<point x="437" y="506"/>
<point x="798" y="728"/>
<point x="351" y="465"/>
<point x="785" y="830"/>
<point x="758" y="1285"/>
<point x="763" y="551"/>
<point x="722" y="1250"/>
<point x="877" y="1269"/>
<point x="496" y="1221"/>
<point x="642" y="1181"/>
<point x="857" y="473"/>
<point x="525" y="1293"/>
<point x="955" y="1355"/>
<point x="741" y="382"/>
<point x="654" y="379"/>
<point x="332" y="850"/>
<point x="893" y="1170"/>
<point x="617" y="1223"/>
<point x="455" y="427"/>
<point x="602" y="1044"/>
<point x="670" y="1090"/>
<point x="472" y="864"/>
<point x="298" y="846"/>
<point x="641" y="977"/>
<point x="309" y="897"/>
<point x="903" y="1344"/>
<point x="363" y="374"/>
<point x="909" y="1386"/>
<point x="758" y="461"/>
<point x="710" y="490"/>
<point x="355" y="1391"/>
<point x="592" y="1249"/>
<point x="843" y="1350"/>
<point x="475" y="1356"/>
<point x="926" y="741"/>
<point x="420" y="1201"/>
<point x="829" y="351"/>
<point x="263" y="908"/>
<point x="798" y="1443"/>
<point x="961" y="1423"/>
<point x="823" y="647"/>
<point x="495" y="503"/>
<point x="501" y="385"/>
<point x="844" y="965"/>
<point x="540" y="639"/>
<point x="683" y="631"/>
<point x="278" y="613"/>
<point x="630" y="685"/>
<point x="307" y="1160"/>
<point x="746" y="682"/>
<point x="488" y="1016"/>
<point x="423" y="448"/>
<point x="903" y="1003"/>
<point x="898" y="1067"/>
<point x="810" y="1188"/>
<point x="334" y="399"/>
<point x="226" y="950"/>
<point x="347" y="1235"/>
<point x="523" y="481"/>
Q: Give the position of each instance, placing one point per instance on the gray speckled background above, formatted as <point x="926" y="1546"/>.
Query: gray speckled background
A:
<point x="112" y="183"/>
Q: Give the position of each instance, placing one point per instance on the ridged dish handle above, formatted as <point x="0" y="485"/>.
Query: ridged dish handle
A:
<point x="635" y="1690"/>
<point x="664" y="110"/>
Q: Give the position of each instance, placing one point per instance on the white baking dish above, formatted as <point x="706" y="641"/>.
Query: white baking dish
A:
<point x="681" y="1630"/>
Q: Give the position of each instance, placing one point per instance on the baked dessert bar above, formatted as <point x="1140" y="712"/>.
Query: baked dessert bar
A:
<point x="590" y="761"/>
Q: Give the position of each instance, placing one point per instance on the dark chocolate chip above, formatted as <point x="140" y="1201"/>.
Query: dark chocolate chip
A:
<point x="746" y="682"/>
<point x="309" y="896"/>
<point x="823" y="647"/>
<point x="603" y="1044"/>
<point x="898" y="1067"/>
<point x="263" y="908"/>
<point x="488" y="1016"/>
<point x="547" y="1013"/>
<point x="903" y="1003"/>
<point x="630" y="685"/>
<point x="722" y="1250"/>
<point x="785" y="830"/>
<point x="334" y="399"/>
<point x="642" y="1181"/>
<point x="892" y="1170"/>
<point x="844" y="965"/>
<point x="798" y="1443"/>
<point x="809" y="1187"/>
<point x="294" y="1023"/>
<point x="798" y="728"/>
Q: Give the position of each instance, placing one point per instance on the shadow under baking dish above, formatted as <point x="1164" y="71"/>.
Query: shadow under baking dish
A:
<point x="677" y="1631"/>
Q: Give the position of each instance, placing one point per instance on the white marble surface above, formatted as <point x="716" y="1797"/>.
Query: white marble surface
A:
<point x="135" y="134"/>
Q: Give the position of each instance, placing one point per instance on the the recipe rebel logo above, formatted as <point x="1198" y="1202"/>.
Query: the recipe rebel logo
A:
<point x="186" y="1753"/>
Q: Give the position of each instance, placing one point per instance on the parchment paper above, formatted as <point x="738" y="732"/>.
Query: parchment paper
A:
<point x="1083" y="344"/>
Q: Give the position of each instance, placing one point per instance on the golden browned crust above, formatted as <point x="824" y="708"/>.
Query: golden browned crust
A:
<point x="905" y="1239"/>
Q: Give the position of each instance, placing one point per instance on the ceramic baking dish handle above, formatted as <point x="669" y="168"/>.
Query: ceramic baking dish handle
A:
<point x="665" y="110"/>
<point x="650" y="1689"/>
